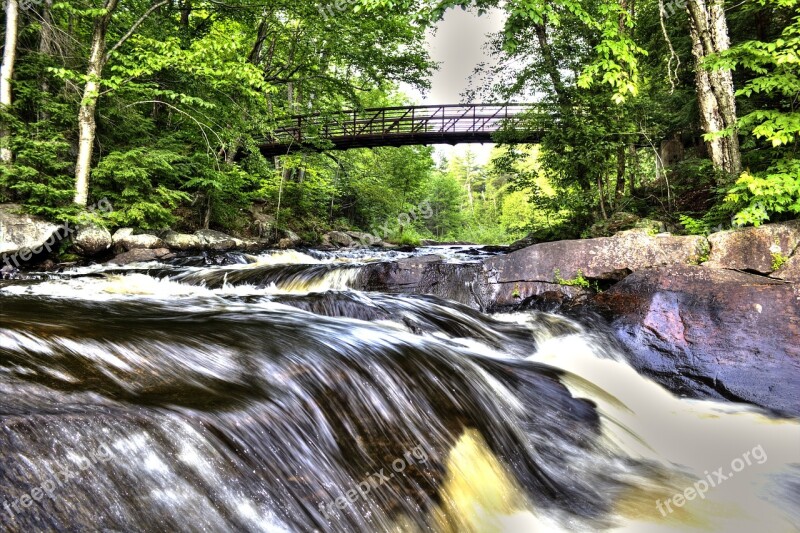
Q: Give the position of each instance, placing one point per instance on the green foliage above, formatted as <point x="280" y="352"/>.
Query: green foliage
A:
<point x="756" y="196"/>
<point x="406" y="236"/>
<point x="445" y="196"/>
<point x="137" y="183"/>
<point x="694" y="226"/>
<point x="184" y="103"/>
<point x="225" y="191"/>
<point x="773" y="185"/>
<point x="577" y="281"/>
<point x="705" y="254"/>
<point x="778" y="260"/>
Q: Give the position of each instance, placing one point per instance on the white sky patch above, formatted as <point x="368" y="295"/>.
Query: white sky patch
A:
<point x="458" y="45"/>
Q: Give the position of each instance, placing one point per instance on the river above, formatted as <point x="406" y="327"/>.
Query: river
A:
<point x="263" y="393"/>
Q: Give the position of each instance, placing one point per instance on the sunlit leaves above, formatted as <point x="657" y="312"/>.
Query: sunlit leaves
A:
<point x="775" y="191"/>
<point x="775" y="66"/>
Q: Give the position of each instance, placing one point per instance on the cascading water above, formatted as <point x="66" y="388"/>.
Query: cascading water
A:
<point x="262" y="394"/>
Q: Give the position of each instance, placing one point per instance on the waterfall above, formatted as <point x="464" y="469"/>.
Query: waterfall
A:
<point x="270" y="395"/>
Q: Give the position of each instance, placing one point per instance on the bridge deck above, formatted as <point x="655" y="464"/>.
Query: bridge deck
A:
<point x="397" y="126"/>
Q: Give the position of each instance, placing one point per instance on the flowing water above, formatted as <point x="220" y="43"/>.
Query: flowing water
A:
<point x="263" y="393"/>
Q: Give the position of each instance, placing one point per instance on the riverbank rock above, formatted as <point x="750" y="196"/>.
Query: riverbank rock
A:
<point x="289" y="239"/>
<point x="340" y="239"/>
<point x="91" y="240"/>
<point x="142" y="255"/>
<point x="20" y="233"/>
<point x="125" y="239"/>
<point x="754" y="249"/>
<point x="533" y="294"/>
<point x="546" y="266"/>
<point x="711" y="333"/>
<point x="350" y="239"/>
<point x="182" y="241"/>
<point x="364" y="239"/>
<point x="216" y="240"/>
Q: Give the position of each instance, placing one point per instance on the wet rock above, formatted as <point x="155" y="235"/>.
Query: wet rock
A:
<point x="510" y="294"/>
<point x="753" y="249"/>
<point x="125" y="239"/>
<point x="427" y="274"/>
<point x="605" y="258"/>
<point x="711" y="333"/>
<point x="91" y="240"/>
<point x="23" y="236"/>
<point x="142" y="255"/>
<point x="8" y="272"/>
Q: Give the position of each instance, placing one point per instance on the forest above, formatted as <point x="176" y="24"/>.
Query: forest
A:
<point x="686" y="113"/>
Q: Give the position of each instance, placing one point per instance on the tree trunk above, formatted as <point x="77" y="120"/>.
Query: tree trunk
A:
<point x="86" y="114"/>
<point x="709" y="31"/>
<point x="186" y="11"/>
<point x="254" y="56"/>
<point x="46" y="48"/>
<point x="551" y="64"/>
<point x="602" y="194"/>
<point x="620" y="188"/>
<point x="562" y="98"/>
<point x="98" y="58"/>
<point x="6" y="73"/>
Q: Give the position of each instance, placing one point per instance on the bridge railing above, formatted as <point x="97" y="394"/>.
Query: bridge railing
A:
<point x="398" y="121"/>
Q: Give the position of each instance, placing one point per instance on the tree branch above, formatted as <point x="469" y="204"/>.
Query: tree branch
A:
<point x="134" y="28"/>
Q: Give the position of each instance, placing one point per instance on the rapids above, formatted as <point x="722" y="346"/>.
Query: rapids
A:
<point x="265" y="393"/>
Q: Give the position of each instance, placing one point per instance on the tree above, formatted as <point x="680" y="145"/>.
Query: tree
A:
<point x="98" y="57"/>
<point x="772" y="185"/>
<point x="708" y="28"/>
<point x="6" y="74"/>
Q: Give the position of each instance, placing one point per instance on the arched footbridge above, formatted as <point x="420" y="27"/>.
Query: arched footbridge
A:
<point x="401" y="126"/>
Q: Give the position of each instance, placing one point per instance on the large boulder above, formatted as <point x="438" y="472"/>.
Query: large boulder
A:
<point x="542" y="267"/>
<point x="91" y="240"/>
<point x="339" y="238"/>
<point x="754" y="249"/>
<point x="289" y="239"/>
<point x="182" y="241"/>
<point x="712" y="333"/>
<point x="364" y="239"/>
<point x="217" y="241"/>
<point x="23" y="235"/>
<point x="125" y="239"/>
<point x="141" y="255"/>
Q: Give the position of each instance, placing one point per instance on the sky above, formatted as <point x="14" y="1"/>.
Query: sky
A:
<point x="458" y="46"/>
